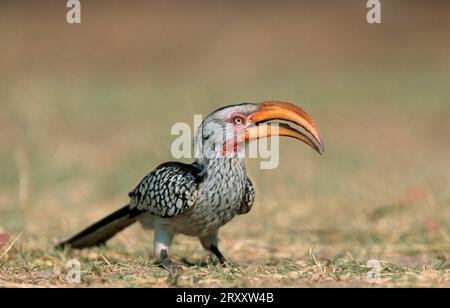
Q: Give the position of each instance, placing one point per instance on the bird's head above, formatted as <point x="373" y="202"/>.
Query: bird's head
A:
<point x="224" y="131"/>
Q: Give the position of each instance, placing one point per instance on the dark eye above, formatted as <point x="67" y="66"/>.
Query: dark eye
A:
<point x="238" y="121"/>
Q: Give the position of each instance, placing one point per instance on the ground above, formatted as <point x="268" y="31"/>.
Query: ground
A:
<point x="81" y="125"/>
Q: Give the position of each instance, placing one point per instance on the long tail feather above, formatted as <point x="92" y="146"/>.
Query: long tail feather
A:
<point x="100" y="232"/>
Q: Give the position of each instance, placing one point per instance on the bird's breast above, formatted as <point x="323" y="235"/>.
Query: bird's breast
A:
<point x="221" y="195"/>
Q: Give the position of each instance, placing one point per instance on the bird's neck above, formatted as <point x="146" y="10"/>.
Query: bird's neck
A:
<point x="215" y="161"/>
<point x="224" y="167"/>
<point x="212" y="158"/>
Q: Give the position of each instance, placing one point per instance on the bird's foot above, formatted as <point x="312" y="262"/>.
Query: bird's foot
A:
<point x="214" y="261"/>
<point x="170" y="266"/>
<point x="209" y="261"/>
<point x="227" y="263"/>
<point x="188" y="263"/>
<point x="167" y="264"/>
<point x="222" y="260"/>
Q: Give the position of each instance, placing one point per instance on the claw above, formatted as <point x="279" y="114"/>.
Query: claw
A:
<point x="167" y="264"/>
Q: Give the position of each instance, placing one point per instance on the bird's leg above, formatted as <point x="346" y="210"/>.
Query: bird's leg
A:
<point x="163" y="239"/>
<point x="215" y="250"/>
<point x="210" y="243"/>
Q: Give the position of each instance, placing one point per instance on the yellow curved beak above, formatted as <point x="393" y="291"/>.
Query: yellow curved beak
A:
<point x="261" y="124"/>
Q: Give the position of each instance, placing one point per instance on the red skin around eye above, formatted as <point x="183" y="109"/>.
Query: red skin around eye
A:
<point x="233" y="145"/>
<point x="237" y="114"/>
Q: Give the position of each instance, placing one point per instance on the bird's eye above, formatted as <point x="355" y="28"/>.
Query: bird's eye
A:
<point x="238" y="120"/>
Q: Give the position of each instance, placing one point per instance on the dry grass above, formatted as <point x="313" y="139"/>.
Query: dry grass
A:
<point x="87" y="111"/>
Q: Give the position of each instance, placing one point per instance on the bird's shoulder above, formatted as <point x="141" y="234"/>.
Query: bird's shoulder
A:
<point x="168" y="190"/>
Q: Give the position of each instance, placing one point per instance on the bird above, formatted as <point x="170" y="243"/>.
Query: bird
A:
<point x="197" y="199"/>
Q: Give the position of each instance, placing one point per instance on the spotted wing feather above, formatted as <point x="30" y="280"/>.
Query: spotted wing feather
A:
<point x="167" y="191"/>
<point x="249" y="198"/>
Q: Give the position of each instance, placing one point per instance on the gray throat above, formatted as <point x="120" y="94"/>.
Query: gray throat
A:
<point x="225" y="180"/>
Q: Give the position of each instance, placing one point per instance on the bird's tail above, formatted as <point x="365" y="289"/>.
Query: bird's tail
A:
<point x="100" y="232"/>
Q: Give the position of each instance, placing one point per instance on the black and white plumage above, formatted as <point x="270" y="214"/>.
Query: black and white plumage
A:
<point x="249" y="198"/>
<point x="169" y="190"/>
<point x="197" y="199"/>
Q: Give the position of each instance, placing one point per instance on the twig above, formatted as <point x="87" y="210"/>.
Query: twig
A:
<point x="11" y="245"/>
<point x="105" y="259"/>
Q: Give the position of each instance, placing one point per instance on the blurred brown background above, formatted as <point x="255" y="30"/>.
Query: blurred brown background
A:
<point x="86" y="111"/>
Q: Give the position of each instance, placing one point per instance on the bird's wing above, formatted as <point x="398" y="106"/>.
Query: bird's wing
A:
<point x="249" y="198"/>
<point x="168" y="190"/>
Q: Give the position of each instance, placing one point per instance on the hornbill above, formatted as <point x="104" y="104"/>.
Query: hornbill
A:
<point x="197" y="199"/>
